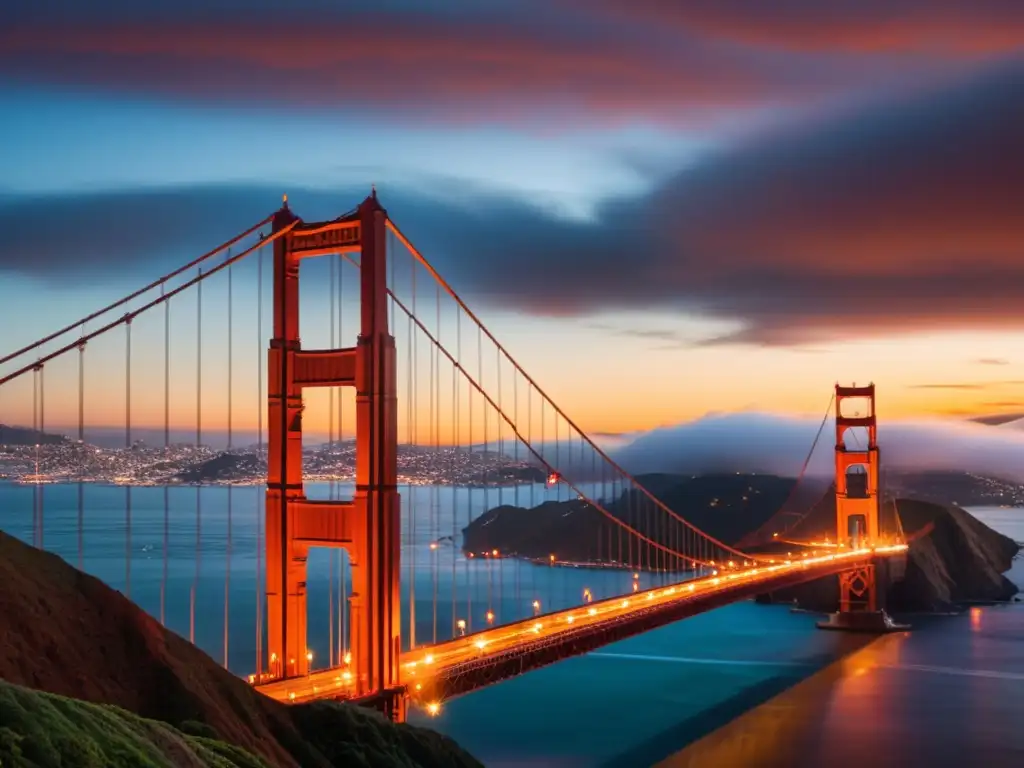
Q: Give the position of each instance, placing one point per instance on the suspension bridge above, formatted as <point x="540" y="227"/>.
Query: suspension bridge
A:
<point x="350" y="574"/>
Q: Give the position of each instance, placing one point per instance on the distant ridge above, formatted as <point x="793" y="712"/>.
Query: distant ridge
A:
<point x="27" y="436"/>
<point x="1000" y="419"/>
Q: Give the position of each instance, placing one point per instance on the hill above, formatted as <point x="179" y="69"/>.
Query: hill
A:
<point x="725" y="506"/>
<point x="66" y="633"/>
<point x="26" y="436"/>
<point x="222" y="467"/>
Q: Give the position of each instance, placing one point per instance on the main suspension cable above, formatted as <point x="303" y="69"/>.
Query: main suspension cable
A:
<point x="160" y="283"/>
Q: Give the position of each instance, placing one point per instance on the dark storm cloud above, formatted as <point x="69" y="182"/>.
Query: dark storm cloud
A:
<point x="904" y="217"/>
<point x="456" y="61"/>
<point x="949" y="27"/>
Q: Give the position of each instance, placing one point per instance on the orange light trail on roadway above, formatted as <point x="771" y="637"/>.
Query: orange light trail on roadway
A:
<point x="422" y="664"/>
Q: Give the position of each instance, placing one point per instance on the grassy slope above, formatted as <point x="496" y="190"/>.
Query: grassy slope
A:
<point x="42" y="729"/>
<point x="65" y="632"/>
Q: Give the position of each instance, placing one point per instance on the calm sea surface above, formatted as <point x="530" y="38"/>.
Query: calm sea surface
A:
<point x="631" y="704"/>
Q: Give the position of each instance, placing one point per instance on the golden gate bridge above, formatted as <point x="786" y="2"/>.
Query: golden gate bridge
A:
<point x="451" y="391"/>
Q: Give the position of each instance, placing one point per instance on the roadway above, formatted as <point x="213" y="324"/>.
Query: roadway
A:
<point x="436" y="672"/>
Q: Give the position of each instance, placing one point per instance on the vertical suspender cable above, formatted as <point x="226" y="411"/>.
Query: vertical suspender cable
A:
<point x="199" y="442"/>
<point x="36" y="433"/>
<point x="167" y="450"/>
<point x="533" y="484"/>
<point x="411" y="408"/>
<point x="81" y="451"/>
<point x="230" y="543"/>
<point x="42" y="428"/>
<point x="515" y="418"/>
<point x="484" y="419"/>
<point x="128" y="447"/>
<point x="470" y="573"/>
<point x="435" y="421"/>
<point x="456" y="442"/>
<point x="501" y="458"/>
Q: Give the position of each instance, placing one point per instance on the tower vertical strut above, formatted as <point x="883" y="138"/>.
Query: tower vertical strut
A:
<point x="367" y="526"/>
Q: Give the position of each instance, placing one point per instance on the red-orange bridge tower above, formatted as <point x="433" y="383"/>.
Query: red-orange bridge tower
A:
<point x="857" y="508"/>
<point x="368" y="525"/>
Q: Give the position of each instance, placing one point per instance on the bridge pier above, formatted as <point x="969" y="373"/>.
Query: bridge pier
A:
<point x="393" y="703"/>
<point x="867" y="612"/>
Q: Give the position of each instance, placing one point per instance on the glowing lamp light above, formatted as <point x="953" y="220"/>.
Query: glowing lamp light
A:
<point x="490" y="617"/>
<point x="346" y="675"/>
<point x="480" y="644"/>
<point x="348" y="658"/>
<point x="309" y="656"/>
<point x="429" y="659"/>
<point x="433" y="545"/>
<point x="553" y="479"/>
<point x="536" y="627"/>
<point x="433" y="709"/>
<point x="494" y="553"/>
<point x="592" y="612"/>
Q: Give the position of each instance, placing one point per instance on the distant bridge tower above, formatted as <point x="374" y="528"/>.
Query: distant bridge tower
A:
<point x="857" y="507"/>
<point x="368" y="525"/>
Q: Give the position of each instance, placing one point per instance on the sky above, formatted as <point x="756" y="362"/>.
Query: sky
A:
<point x="663" y="210"/>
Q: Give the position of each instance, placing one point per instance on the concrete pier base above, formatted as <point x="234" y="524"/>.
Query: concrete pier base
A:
<point x="393" y="703"/>
<point x="876" y="622"/>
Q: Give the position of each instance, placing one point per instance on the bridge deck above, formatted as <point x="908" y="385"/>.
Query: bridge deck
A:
<point x="461" y="665"/>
